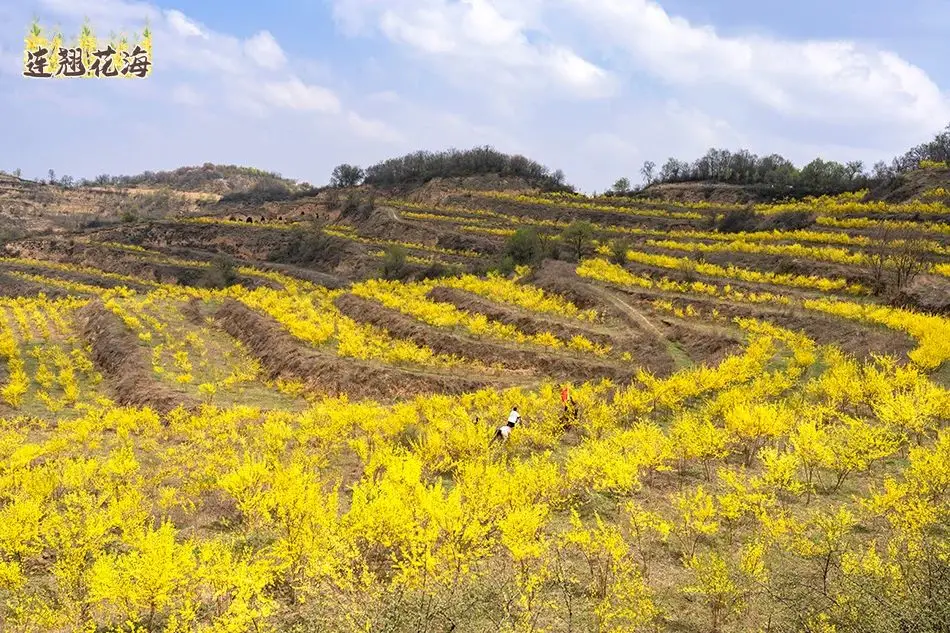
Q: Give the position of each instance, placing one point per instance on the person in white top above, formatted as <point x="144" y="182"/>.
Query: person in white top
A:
<point x="504" y="431"/>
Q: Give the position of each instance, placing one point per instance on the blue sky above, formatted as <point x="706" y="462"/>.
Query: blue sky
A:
<point x="593" y="87"/>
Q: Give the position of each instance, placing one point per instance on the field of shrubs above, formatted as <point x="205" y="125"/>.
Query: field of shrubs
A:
<point x="191" y="443"/>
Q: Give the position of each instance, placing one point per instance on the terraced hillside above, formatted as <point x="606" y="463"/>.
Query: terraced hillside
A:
<point x="268" y="419"/>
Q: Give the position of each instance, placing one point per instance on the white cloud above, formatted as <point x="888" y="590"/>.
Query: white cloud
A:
<point x="829" y="80"/>
<point x="373" y="129"/>
<point x="526" y="76"/>
<point x="484" y="41"/>
<point x="104" y="15"/>
<point x="608" y="144"/>
<point x="296" y="95"/>
<point x="245" y="69"/>
<point x="265" y="51"/>
<point x="704" y="130"/>
<point x="497" y="47"/>
<point x="183" y="26"/>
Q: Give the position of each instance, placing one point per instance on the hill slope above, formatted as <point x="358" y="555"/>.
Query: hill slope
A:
<point x="207" y="178"/>
<point x="280" y="417"/>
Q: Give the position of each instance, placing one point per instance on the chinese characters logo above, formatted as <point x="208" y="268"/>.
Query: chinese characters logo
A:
<point x="45" y="57"/>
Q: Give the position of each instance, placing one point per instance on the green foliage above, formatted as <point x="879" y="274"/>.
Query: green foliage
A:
<point x="394" y="262"/>
<point x="621" y="186"/>
<point x="937" y="150"/>
<point x="506" y="266"/>
<point x="346" y="175"/>
<point x="193" y="178"/>
<point x="221" y="274"/>
<point x="422" y="166"/>
<point x="524" y="247"/>
<point x="780" y="175"/>
<point x="260" y="193"/>
<point x="738" y="221"/>
<point x="773" y="172"/>
<point x="618" y="250"/>
<point x="577" y="237"/>
<point x="307" y="246"/>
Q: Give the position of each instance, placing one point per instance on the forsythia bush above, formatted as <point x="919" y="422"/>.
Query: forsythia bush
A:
<point x="242" y="519"/>
<point x="789" y="487"/>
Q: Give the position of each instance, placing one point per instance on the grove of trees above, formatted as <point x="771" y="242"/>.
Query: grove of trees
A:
<point x="422" y="166"/>
<point x="774" y="171"/>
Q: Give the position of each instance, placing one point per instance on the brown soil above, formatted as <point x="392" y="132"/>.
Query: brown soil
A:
<point x="14" y="287"/>
<point x="528" y="323"/>
<point x="510" y="356"/>
<point x="90" y="280"/>
<point x="569" y="214"/>
<point x="118" y="355"/>
<point x="437" y="190"/>
<point x="930" y="293"/>
<point x="700" y="343"/>
<point x="911" y="185"/>
<point x="767" y="262"/>
<point x="305" y="274"/>
<point x="191" y="310"/>
<point x="853" y="338"/>
<point x="704" y="344"/>
<point x="658" y="272"/>
<point x="560" y="277"/>
<point x="284" y="356"/>
<point x="115" y="261"/>
<point x="385" y="223"/>
<point x="716" y="193"/>
<point x="249" y="243"/>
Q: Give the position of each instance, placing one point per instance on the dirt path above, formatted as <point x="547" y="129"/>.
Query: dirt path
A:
<point x="858" y="339"/>
<point x="630" y="311"/>
<point x="681" y="359"/>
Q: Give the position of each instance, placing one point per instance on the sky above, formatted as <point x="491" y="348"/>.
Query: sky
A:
<point x="592" y="87"/>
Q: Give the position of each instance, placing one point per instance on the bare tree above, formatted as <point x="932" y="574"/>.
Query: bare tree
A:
<point x="895" y="259"/>
<point x="908" y="261"/>
<point x="647" y="171"/>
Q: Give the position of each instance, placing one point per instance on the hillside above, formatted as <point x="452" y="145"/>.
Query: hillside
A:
<point x="207" y="178"/>
<point x="276" y="412"/>
<point x="714" y="192"/>
<point x="912" y="185"/>
<point x="917" y="184"/>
